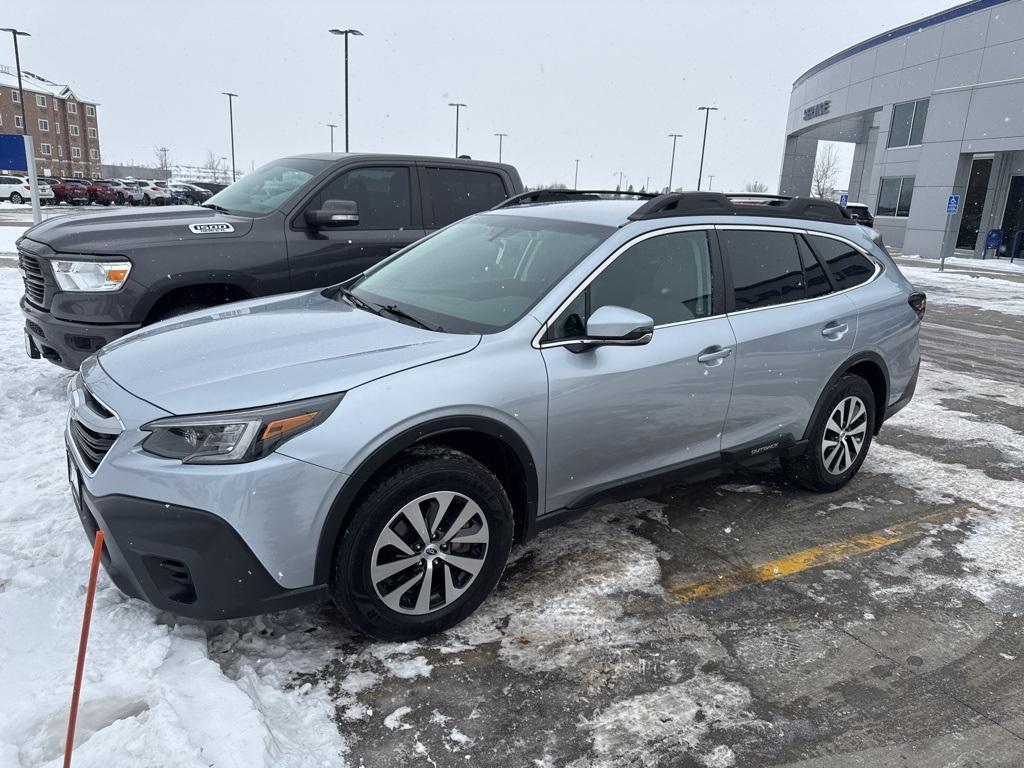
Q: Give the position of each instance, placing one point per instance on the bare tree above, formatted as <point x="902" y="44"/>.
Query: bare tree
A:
<point x="756" y="187"/>
<point x="826" y="170"/>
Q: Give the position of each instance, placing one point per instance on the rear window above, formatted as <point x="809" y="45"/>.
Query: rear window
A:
<point x="765" y="266"/>
<point x="848" y="266"/>
<point x="456" y="193"/>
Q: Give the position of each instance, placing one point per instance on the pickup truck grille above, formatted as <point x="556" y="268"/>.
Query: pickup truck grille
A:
<point x="32" y="274"/>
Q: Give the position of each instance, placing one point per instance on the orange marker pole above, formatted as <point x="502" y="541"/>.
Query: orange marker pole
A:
<point x="90" y="594"/>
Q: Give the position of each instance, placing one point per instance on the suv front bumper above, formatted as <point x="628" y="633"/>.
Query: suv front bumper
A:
<point x="67" y="343"/>
<point x="182" y="560"/>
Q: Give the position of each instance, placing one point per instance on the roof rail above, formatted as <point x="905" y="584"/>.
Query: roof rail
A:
<point x="563" y="195"/>
<point x="718" y="204"/>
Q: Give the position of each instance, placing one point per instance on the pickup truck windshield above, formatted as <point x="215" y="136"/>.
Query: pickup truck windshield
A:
<point x="481" y="274"/>
<point x="261" y="191"/>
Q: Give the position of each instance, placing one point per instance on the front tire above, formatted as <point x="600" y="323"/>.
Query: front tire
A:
<point x="146" y="201"/>
<point x="425" y="546"/>
<point x="840" y="439"/>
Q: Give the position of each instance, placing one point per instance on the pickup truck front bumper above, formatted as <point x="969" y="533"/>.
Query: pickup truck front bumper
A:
<point x="63" y="342"/>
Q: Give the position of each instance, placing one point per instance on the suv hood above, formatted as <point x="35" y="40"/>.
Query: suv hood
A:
<point x="125" y="230"/>
<point x="268" y="351"/>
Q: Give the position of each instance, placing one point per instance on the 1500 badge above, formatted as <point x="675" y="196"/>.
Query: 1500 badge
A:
<point x="211" y="229"/>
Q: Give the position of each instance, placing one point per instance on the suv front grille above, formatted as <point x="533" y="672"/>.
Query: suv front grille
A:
<point x="92" y="446"/>
<point x="32" y="274"/>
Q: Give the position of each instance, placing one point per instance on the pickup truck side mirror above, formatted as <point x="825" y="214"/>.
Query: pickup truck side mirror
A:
<point x="335" y="213"/>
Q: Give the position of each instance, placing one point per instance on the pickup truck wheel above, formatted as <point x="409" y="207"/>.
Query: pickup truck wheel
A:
<point x="16" y="198"/>
<point x="425" y="546"/>
<point x="840" y="438"/>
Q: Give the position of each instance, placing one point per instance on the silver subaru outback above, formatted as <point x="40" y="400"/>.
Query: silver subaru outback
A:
<point x="383" y="442"/>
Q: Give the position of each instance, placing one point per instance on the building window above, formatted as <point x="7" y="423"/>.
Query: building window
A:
<point x="44" y="125"/>
<point x="40" y="100"/>
<point x="72" y="108"/>
<point x="94" y="154"/>
<point x="76" y="152"/>
<point x="15" y="96"/>
<point x="90" y="111"/>
<point x="18" y="122"/>
<point x="73" y="130"/>
<point x="92" y="133"/>
<point x="907" y="128"/>
<point x="60" y="151"/>
<point x="45" y="149"/>
<point x="894" y="196"/>
<point x="57" y="126"/>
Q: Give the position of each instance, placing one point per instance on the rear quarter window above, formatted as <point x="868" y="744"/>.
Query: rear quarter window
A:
<point x="848" y="266"/>
<point x="456" y="193"/>
<point x="765" y="267"/>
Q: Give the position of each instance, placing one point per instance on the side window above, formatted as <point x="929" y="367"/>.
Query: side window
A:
<point x="456" y="193"/>
<point x="382" y="194"/>
<point x="847" y="265"/>
<point x="765" y="266"/>
<point x="815" y="280"/>
<point x="667" y="278"/>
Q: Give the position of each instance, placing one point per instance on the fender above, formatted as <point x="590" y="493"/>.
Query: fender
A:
<point x="860" y="357"/>
<point x="339" y="512"/>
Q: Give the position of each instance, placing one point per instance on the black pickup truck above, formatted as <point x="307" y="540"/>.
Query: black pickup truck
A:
<point x="93" y="278"/>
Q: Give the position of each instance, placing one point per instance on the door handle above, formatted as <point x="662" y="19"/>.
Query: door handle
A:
<point x="834" y="330"/>
<point x="714" y="356"/>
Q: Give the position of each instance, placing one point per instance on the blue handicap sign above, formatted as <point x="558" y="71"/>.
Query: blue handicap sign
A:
<point x="953" y="204"/>
<point x="843" y="200"/>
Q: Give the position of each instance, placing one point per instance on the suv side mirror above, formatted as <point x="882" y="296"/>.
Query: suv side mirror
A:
<point x="335" y="213"/>
<point x="616" y="326"/>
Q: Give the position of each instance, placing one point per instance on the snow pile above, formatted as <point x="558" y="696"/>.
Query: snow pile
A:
<point x="152" y="694"/>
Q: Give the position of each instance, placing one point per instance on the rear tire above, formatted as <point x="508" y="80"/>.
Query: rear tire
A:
<point x="448" y="493"/>
<point x="146" y="200"/>
<point x="16" y="198"/>
<point x="840" y="439"/>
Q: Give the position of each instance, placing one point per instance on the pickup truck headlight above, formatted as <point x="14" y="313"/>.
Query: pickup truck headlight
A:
<point x="235" y="437"/>
<point x="90" y="275"/>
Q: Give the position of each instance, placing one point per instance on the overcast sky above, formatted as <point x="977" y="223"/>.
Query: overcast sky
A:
<point x="604" y="82"/>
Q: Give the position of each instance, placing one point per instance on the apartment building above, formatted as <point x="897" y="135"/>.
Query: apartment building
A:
<point x="63" y="125"/>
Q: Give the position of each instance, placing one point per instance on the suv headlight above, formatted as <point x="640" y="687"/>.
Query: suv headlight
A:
<point x="235" y="437"/>
<point x="90" y="275"/>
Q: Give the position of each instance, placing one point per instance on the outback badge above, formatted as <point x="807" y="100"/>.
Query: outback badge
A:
<point x="211" y="229"/>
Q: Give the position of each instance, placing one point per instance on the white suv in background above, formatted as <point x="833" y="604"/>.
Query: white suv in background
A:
<point x="129" y="191"/>
<point x="152" y="194"/>
<point x="17" y="189"/>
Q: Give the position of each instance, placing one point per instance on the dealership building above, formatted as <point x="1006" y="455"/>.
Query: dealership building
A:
<point x="936" y="111"/>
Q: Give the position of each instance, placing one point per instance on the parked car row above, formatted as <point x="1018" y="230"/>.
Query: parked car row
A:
<point x="74" y="191"/>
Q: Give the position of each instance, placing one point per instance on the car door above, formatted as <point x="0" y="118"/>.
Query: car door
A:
<point x="7" y="186"/>
<point x="793" y="330"/>
<point x="619" y="413"/>
<point x="389" y="220"/>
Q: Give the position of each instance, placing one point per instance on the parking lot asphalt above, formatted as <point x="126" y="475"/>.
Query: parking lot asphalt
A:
<point x="735" y="622"/>
<point x="741" y="621"/>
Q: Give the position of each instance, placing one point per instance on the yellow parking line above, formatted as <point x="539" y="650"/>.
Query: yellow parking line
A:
<point x="812" y="557"/>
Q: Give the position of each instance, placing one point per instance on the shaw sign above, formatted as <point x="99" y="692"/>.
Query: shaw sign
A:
<point x="818" y="110"/>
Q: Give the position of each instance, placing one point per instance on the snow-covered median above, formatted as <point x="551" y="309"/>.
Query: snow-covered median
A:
<point x="152" y="695"/>
<point x="962" y="290"/>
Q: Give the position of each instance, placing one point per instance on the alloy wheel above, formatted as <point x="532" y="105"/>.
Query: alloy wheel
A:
<point x="843" y="438"/>
<point x="429" y="553"/>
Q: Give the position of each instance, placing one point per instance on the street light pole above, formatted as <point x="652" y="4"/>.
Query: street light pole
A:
<point x="231" y="121"/>
<point x="501" y="137"/>
<point x="345" y="33"/>
<point x="576" y="176"/>
<point x="672" y="165"/>
<point x="332" y="126"/>
<point x="458" y="106"/>
<point x="16" y="33"/>
<point x="707" y="114"/>
<point x="620" y="180"/>
<point x="163" y="161"/>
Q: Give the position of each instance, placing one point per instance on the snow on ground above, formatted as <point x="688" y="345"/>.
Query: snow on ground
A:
<point x="1016" y="267"/>
<point x="8" y="236"/>
<point x="152" y="690"/>
<point x="963" y="290"/>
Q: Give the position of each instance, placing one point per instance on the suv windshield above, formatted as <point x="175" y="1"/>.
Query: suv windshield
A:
<point x="261" y="191"/>
<point x="481" y="274"/>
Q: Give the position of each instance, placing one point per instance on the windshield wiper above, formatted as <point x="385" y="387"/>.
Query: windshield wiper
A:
<point x="214" y="207"/>
<point x="397" y="311"/>
<point x="354" y="300"/>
